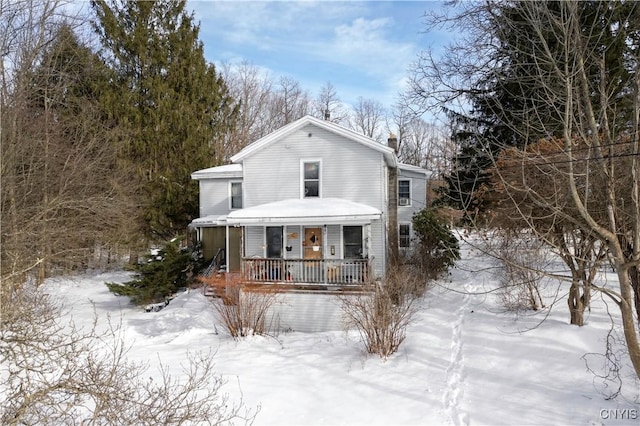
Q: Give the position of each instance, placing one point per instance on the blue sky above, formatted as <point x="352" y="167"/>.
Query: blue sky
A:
<point x="362" y="48"/>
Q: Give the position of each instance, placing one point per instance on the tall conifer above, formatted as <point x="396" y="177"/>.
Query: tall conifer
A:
<point x="169" y="103"/>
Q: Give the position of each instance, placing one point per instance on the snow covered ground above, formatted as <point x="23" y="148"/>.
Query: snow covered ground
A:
<point x="465" y="360"/>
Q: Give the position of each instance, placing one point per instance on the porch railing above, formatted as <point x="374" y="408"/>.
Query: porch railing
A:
<point x="306" y="271"/>
<point x="215" y="264"/>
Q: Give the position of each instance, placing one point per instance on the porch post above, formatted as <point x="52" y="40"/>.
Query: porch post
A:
<point x="324" y="253"/>
<point x="226" y="248"/>
<point x="243" y="273"/>
<point x="285" y="241"/>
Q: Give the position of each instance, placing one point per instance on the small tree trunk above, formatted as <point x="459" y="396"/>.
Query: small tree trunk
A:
<point x="628" y="320"/>
<point x="576" y="305"/>
<point x="133" y="257"/>
<point x="634" y="278"/>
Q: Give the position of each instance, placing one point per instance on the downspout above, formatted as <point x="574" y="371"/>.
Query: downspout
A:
<point x="392" y="208"/>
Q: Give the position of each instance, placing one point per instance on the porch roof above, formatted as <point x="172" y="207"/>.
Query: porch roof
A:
<point x="212" y="220"/>
<point x="306" y="211"/>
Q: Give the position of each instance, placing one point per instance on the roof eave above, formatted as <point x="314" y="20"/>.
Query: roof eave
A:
<point x="315" y="220"/>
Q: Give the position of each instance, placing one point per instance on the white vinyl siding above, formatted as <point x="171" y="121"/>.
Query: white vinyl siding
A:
<point x="377" y="247"/>
<point x="333" y="240"/>
<point x="418" y="194"/>
<point x="293" y="239"/>
<point x="254" y="241"/>
<point x="214" y="197"/>
<point x="349" y="170"/>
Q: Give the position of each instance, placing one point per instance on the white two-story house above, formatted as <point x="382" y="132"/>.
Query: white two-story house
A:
<point x="306" y="207"/>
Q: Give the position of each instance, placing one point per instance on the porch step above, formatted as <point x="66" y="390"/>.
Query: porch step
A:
<point x="216" y="284"/>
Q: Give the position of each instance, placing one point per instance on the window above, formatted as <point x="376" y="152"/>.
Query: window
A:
<point x="274" y="242"/>
<point x="404" y="192"/>
<point x="236" y="195"/>
<point x="311" y="178"/>
<point x="352" y="238"/>
<point x="405" y="235"/>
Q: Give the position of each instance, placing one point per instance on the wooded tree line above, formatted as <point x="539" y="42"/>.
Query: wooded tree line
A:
<point x="100" y="135"/>
<point x="544" y="101"/>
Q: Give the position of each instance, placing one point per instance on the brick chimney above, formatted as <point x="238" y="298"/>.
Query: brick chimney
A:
<point x="392" y="208"/>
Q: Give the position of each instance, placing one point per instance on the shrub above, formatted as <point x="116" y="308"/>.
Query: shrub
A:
<point x="161" y="275"/>
<point x="382" y="311"/>
<point x="245" y="313"/>
<point x="54" y="372"/>
<point x="524" y="262"/>
<point x="438" y="247"/>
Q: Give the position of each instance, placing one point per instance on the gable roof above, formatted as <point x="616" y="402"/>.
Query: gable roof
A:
<point x="387" y="152"/>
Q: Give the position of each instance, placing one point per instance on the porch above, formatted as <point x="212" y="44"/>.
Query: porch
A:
<point x="305" y="272"/>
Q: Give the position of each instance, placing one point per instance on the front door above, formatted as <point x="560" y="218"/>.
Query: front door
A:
<point x="312" y="243"/>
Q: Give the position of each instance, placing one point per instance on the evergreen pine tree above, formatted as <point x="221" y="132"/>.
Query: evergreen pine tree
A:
<point x="169" y="102"/>
<point x="162" y="274"/>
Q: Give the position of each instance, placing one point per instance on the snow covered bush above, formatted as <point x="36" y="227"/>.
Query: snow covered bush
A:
<point x="54" y="372"/>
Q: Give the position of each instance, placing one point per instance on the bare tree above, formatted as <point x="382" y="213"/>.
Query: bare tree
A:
<point x="368" y="118"/>
<point x="252" y="89"/>
<point x="327" y="105"/>
<point x="524" y="195"/>
<point x="62" y="193"/>
<point x="288" y="103"/>
<point x="421" y="143"/>
<point x="579" y="81"/>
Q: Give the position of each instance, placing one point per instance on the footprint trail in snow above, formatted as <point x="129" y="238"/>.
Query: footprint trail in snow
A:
<point x="455" y="373"/>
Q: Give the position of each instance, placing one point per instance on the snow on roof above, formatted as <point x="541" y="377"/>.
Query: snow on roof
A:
<point x="212" y="220"/>
<point x="227" y="171"/>
<point x="412" y="168"/>
<point x="306" y="211"/>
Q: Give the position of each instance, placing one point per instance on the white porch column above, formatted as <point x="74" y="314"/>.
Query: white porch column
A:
<point x="226" y="248"/>
<point x="324" y="252"/>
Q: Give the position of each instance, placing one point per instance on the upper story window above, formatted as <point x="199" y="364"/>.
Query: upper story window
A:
<point x="311" y="178"/>
<point x="404" y="192"/>
<point x="236" y="195"/>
